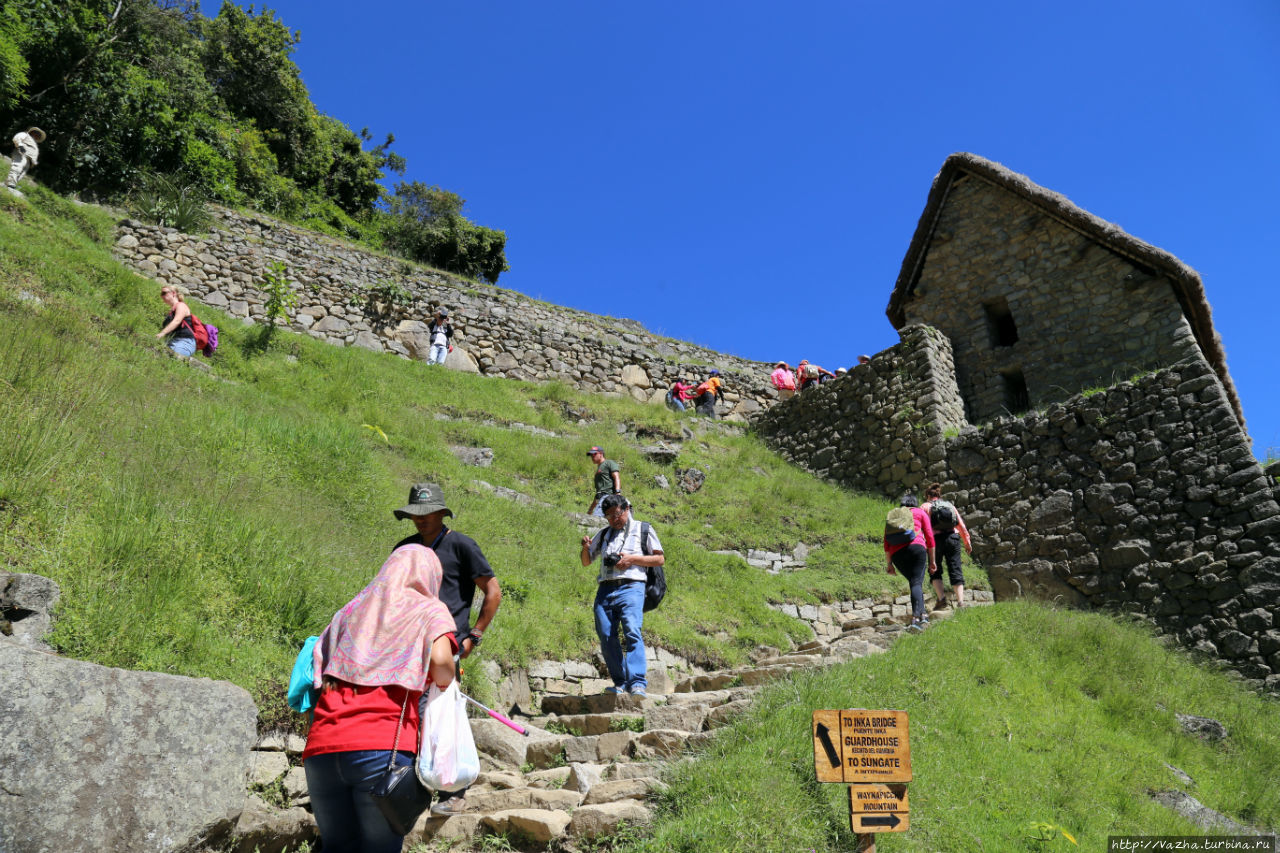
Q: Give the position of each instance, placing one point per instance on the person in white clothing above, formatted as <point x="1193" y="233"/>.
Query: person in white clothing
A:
<point x="26" y="151"/>
<point x="440" y="331"/>
<point x="625" y="548"/>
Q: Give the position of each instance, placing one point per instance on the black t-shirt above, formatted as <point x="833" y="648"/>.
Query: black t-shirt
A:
<point x="462" y="562"/>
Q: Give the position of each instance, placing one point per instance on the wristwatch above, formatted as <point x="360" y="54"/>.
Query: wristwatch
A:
<point x="475" y="637"/>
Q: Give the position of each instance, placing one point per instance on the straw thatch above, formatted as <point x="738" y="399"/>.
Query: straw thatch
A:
<point x="1186" y="281"/>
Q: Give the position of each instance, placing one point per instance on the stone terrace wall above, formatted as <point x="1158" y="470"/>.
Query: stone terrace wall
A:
<point x="1085" y="316"/>
<point x="497" y="332"/>
<point x="1145" y="497"/>
<point x="880" y="427"/>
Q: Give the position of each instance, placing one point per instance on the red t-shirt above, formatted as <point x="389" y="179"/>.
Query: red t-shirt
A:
<point x="350" y="717"/>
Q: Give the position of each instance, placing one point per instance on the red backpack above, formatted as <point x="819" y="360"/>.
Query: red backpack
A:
<point x="199" y="331"/>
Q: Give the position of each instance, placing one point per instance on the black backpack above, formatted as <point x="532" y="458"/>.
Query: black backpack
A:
<point x="655" y="580"/>
<point x="942" y="515"/>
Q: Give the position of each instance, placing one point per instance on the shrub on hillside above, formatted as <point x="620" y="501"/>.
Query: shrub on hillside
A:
<point x="426" y="224"/>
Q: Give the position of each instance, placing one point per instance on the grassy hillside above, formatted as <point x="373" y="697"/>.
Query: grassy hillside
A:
<point x="205" y="523"/>
<point x="1019" y="715"/>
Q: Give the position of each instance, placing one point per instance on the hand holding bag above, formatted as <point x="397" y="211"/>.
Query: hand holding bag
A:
<point x="448" y="760"/>
<point x="399" y="795"/>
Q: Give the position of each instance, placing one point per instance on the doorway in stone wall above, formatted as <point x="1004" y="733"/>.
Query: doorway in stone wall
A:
<point x="1017" y="399"/>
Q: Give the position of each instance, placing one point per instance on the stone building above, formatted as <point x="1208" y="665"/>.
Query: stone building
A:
<point x="1040" y="299"/>
<point x="1063" y="380"/>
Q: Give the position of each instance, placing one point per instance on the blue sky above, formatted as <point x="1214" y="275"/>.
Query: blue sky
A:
<point x="747" y="175"/>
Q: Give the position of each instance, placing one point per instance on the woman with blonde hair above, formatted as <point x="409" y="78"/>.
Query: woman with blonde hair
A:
<point x="177" y="323"/>
<point x="373" y="663"/>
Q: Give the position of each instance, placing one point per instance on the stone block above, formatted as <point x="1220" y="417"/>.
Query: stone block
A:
<point x="660" y="743"/>
<point x="538" y="825"/>
<point x="620" y="789"/>
<point x="591" y="822"/>
<point x="584" y="776"/>
<point x="613" y="745"/>
<point x="581" y="749"/>
<point x="686" y="717"/>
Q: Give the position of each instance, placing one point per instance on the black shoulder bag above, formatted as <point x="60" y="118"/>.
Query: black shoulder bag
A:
<point x="400" y="796"/>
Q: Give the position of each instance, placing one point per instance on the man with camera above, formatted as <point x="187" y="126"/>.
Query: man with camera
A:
<point x="625" y="548"/>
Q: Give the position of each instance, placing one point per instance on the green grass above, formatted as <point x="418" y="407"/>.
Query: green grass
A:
<point x="205" y="523"/>
<point x="1019" y="714"/>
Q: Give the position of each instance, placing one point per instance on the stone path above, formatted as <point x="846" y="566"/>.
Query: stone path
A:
<point x="590" y="763"/>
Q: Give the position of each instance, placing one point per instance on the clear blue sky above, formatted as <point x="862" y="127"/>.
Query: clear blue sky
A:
<point x="747" y="175"/>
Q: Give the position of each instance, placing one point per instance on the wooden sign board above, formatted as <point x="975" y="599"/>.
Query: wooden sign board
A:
<point x="879" y="808"/>
<point x="868" y="746"/>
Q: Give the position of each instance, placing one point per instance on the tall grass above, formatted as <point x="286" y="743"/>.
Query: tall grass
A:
<point x="205" y="523"/>
<point x="1019" y="714"/>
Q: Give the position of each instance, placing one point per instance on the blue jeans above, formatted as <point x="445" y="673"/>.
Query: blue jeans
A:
<point x="598" y="511"/>
<point x="185" y="347"/>
<point x="340" y="784"/>
<point x="438" y="354"/>
<point x="619" y="617"/>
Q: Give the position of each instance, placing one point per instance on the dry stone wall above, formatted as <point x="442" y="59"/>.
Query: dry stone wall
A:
<point x="347" y="296"/>
<point x="1144" y="497"/>
<point x="880" y="427"/>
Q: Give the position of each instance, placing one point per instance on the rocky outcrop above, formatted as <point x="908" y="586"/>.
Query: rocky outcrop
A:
<point x="107" y="759"/>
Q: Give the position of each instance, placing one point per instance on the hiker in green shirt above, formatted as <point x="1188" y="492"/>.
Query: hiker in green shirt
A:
<point x="608" y="481"/>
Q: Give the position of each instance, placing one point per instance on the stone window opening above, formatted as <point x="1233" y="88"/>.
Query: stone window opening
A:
<point x="1017" y="400"/>
<point x="1000" y="325"/>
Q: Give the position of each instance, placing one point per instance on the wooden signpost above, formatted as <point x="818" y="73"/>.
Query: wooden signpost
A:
<point x="870" y="751"/>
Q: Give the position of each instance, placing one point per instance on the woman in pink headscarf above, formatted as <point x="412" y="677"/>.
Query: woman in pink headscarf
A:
<point x="373" y="662"/>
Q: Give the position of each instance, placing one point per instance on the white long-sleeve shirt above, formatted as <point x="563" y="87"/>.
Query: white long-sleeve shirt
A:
<point x="26" y="146"/>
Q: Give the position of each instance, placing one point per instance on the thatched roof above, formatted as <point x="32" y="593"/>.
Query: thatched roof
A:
<point x="1186" y="281"/>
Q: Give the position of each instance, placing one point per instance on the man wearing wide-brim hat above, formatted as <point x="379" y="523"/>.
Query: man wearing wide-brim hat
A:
<point x="464" y="568"/>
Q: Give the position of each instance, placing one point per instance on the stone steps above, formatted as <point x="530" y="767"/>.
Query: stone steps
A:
<point x="589" y="762"/>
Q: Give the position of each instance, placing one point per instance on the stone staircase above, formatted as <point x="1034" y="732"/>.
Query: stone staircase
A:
<point x="590" y="763"/>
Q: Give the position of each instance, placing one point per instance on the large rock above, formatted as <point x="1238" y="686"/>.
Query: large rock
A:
<point x="26" y="608"/>
<point x="106" y="759"/>
<point x="461" y="360"/>
<point x="634" y="375"/>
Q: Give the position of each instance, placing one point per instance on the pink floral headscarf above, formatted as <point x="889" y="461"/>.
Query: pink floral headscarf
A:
<point x="383" y="636"/>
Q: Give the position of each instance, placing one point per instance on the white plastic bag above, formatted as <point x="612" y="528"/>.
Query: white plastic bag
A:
<point x="447" y="757"/>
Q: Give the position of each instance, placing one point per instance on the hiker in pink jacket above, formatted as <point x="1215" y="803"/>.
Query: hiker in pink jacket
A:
<point x="909" y="545"/>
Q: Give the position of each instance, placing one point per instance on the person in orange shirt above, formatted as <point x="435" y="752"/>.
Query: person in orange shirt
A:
<point x="707" y="392"/>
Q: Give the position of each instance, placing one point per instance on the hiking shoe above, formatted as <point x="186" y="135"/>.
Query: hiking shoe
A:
<point x="915" y="628"/>
<point x="941" y="605"/>
<point x="615" y="690"/>
<point x="449" y="807"/>
<point x="638" y="691"/>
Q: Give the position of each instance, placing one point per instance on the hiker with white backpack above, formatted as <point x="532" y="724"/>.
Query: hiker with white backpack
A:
<point x="950" y="534"/>
<point x="909" y="545"/>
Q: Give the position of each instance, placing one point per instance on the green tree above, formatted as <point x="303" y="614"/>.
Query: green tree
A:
<point x="426" y="224"/>
<point x="13" y="65"/>
<point x="247" y="61"/>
